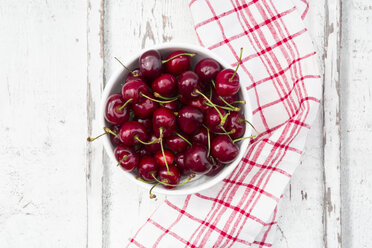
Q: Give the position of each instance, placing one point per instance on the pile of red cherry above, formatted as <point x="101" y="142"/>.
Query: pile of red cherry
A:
<point x="169" y="121"/>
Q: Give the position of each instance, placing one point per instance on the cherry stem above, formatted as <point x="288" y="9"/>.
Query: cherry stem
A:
<point x="162" y="148"/>
<point x="209" y="142"/>
<point x="241" y="101"/>
<point x="152" y="196"/>
<point x="213" y="83"/>
<point x="147" y="143"/>
<point x="156" y="94"/>
<point x="125" y="104"/>
<point x="133" y="73"/>
<point x="178" y="55"/>
<point x="227" y="104"/>
<point x="179" y="135"/>
<point x="236" y="70"/>
<point x="213" y="161"/>
<point x="124" y="158"/>
<point x="250" y="125"/>
<point x="212" y="105"/>
<point x="249" y="137"/>
<point x="156" y="100"/>
<point x="234" y="109"/>
<point x="227" y="133"/>
<point x="192" y="175"/>
<point x="210" y="92"/>
<point x="107" y="130"/>
<point x="143" y="180"/>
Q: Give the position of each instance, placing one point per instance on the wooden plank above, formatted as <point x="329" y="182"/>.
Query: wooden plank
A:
<point x="94" y="152"/>
<point x="332" y="128"/>
<point x="356" y="123"/>
<point x="130" y="26"/>
<point x="301" y="211"/>
<point x="42" y="124"/>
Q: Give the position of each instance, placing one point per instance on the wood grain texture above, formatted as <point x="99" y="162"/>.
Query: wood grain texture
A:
<point x="42" y="123"/>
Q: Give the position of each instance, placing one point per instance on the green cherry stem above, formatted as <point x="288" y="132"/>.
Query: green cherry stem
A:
<point x="162" y="148"/>
<point x="212" y="105"/>
<point x="249" y="137"/>
<point x="192" y="175"/>
<point x="107" y="130"/>
<point x="227" y="104"/>
<point x="250" y="125"/>
<point x="156" y="100"/>
<point x="236" y="70"/>
<point x="178" y="55"/>
<point x="143" y="180"/>
<point x="147" y="143"/>
<point x="125" y="104"/>
<point x="188" y="142"/>
<point x="156" y="94"/>
<point x="213" y="83"/>
<point x="210" y="92"/>
<point x="152" y="196"/>
<point x="227" y="133"/>
<point x="133" y="73"/>
<point x="209" y="142"/>
<point x="234" y="109"/>
<point x="241" y="101"/>
<point x="124" y="158"/>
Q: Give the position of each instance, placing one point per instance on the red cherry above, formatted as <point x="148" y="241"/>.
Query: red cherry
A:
<point x="114" y="113"/>
<point x="165" y="85"/>
<point x="145" y="108"/>
<point x="172" y="176"/>
<point x="146" y="122"/>
<point x="133" y="90"/>
<point x="223" y="149"/>
<point x="207" y="69"/>
<point x="165" y="119"/>
<point x="173" y="106"/>
<point x="159" y="158"/>
<point x="216" y="168"/>
<point x="226" y="84"/>
<point x="154" y="147"/>
<point x="178" y="64"/>
<point x="199" y="103"/>
<point x="190" y="119"/>
<point x="142" y="151"/>
<point x="147" y="168"/>
<point x="235" y="121"/>
<point x="213" y="120"/>
<point x="150" y="64"/>
<point x="201" y="136"/>
<point x="179" y="159"/>
<point x="176" y="143"/>
<point x="131" y="131"/>
<point x="115" y="139"/>
<point x="188" y="82"/>
<point x="196" y="159"/>
<point x="134" y="75"/>
<point x="127" y="157"/>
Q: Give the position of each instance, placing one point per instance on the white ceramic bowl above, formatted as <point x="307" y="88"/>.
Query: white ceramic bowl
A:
<point x="199" y="182"/>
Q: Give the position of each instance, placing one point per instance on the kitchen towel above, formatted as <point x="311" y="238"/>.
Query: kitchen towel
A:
<point x="279" y="71"/>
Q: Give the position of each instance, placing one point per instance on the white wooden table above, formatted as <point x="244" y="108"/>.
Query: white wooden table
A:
<point x="58" y="191"/>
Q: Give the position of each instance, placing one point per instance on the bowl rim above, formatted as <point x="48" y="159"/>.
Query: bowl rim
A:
<point x="111" y="83"/>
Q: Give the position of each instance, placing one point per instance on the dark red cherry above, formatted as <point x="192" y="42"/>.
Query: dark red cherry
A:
<point x="150" y="64"/>
<point x="145" y="107"/>
<point x="201" y="136"/>
<point x="226" y="84"/>
<point x="142" y="151"/>
<point x="165" y="119"/>
<point x="135" y="74"/>
<point x="217" y="100"/>
<point x="216" y="168"/>
<point x="159" y="158"/>
<point x="176" y="143"/>
<point x="172" y="176"/>
<point x="223" y="149"/>
<point x="190" y="119"/>
<point x="130" y="130"/>
<point x="115" y="139"/>
<point x="179" y="160"/>
<point x="165" y="85"/>
<point x="154" y="147"/>
<point x="114" y="113"/>
<point x="196" y="159"/>
<point x="198" y="103"/>
<point x="146" y="122"/>
<point x="235" y="121"/>
<point x="133" y="90"/>
<point x="207" y="69"/>
<point x="213" y="120"/>
<point x="178" y="64"/>
<point x="127" y="157"/>
<point x="188" y="82"/>
<point x="148" y="167"/>
<point x="173" y="106"/>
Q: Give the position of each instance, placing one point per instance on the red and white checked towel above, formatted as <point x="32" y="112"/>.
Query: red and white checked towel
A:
<point x="280" y="73"/>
